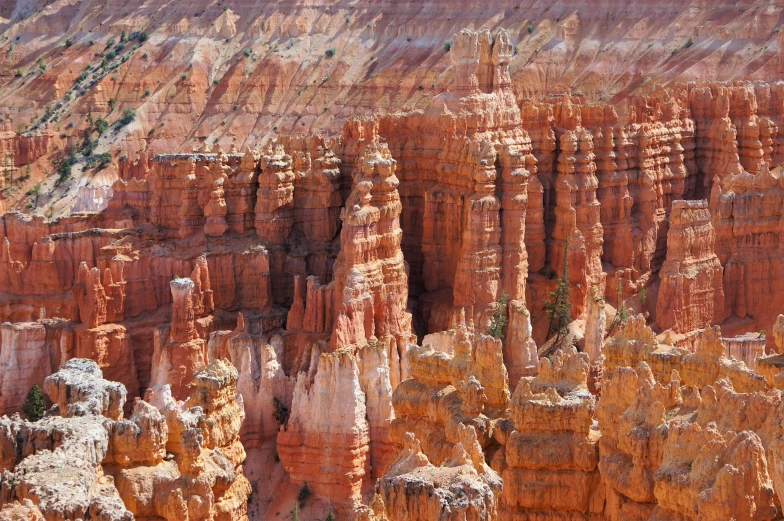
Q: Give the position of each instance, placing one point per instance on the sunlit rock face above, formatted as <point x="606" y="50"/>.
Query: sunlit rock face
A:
<point x="248" y="319"/>
<point x="166" y="460"/>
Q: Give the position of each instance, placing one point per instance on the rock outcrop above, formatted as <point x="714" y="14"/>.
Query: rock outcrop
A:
<point x="84" y="460"/>
<point x="691" y="294"/>
<point x="550" y="458"/>
<point x="326" y="440"/>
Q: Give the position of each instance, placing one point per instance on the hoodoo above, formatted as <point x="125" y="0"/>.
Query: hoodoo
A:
<point x="392" y="261"/>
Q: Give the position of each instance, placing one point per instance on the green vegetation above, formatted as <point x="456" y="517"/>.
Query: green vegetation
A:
<point x="304" y="494"/>
<point x="35" y="190"/>
<point x="530" y="28"/>
<point x="127" y="117"/>
<point x="281" y="413"/>
<point x="68" y="43"/>
<point x="247" y="52"/>
<point x="498" y="320"/>
<point x="559" y="306"/>
<point x="688" y="43"/>
<point x="329" y="53"/>
<point x="19" y="73"/>
<point x="643" y="296"/>
<point x="623" y="313"/>
<point x="447" y="45"/>
<point x="142" y="37"/>
<point x="99" y="161"/>
<point x="34" y="406"/>
<point x="62" y="165"/>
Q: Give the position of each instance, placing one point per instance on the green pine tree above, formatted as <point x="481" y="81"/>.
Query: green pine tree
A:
<point x="559" y="305"/>
<point x="34" y="406"/>
<point x="498" y="321"/>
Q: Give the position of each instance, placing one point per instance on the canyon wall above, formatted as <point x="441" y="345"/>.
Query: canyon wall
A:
<point x="353" y="308"/>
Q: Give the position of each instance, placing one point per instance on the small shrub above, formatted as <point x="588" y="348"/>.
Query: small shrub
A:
<point x="303" y="494"/>
<point x="41" y="65"/>
<point x="127" y="117"/>
<point x="111" y="55"/>
<point x="68" y="43"/>
<point x="34" y="191"/>
<point x="235" y="107"/>
<point x="184" y="77"/>
<point x="34" y="405"/>
<point x="530" y="28"/>
<point x="146" y="92"/>
<point x="330" y="517"/>
<point x="62" y="165"/>
<point x="348" y="19"/>
<point x="123" y="37"/>
<point x="643" y="296"/>
<point x="99" y="161"/>
<point x="19" y="73"/>
<point x="329" y="53"/>
<point x="762" y="333"/>
<point x="281" y="413"/>
<point x="112" y="103"/>
<point x="421" y="87"/>
<point x="498" y="321"/>
<point x="247" y="52"/>
<point x="142" y="37"/>
<point x="144" y="56"/>
<point x="100" y="125"/>
<point x="215" y="81"/>
<point x="688" y="43"/>
<point x="225" y="8"/>
<point x="447" y="45"/>
<point x="91" y="42"/>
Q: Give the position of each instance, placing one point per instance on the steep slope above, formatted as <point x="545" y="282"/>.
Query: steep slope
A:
<point x="239" y="72"/>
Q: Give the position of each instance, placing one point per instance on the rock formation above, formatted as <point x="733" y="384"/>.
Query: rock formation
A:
<point x="84" y="460"/>
<point x="691" y="294"/>
<point x="350" y="307"/>
<point x="325" y="442"/>
<point x="552" y="453"/>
